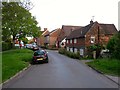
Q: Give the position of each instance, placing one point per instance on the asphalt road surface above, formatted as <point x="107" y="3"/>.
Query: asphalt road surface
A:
<point x="60" y="72"/>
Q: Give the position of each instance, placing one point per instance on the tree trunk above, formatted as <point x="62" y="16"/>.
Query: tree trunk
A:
<point x="13" y="42"/>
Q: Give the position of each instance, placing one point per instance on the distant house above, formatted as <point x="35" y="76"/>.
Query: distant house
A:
<point x="65" y="31"/>
<point x="94" y="33"/>
<point x="41" y="39"/>
<point x="51" y="38"/>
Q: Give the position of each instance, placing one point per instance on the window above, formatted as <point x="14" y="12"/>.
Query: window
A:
<point x="67" y="48"/>
<point x="71" y="49"/>
<point x="75" y="50"/>
<point x="71" y="41"/>
<point x="75" y="40"/>
<point x="92" y="39"/>
<point x="67" y="41"/>
<point x="81" y="52"/>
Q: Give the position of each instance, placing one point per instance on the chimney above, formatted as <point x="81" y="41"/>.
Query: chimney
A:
<point x="91" y="22"/>
<point x="45" y="29"/>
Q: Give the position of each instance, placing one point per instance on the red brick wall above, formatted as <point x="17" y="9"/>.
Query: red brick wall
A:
<point x="53" y="37"/>
<point x="103" y="39"/>
<point x="80" y="42"/>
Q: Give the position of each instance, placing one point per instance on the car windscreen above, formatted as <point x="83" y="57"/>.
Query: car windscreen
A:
<point x="39" y="53"/>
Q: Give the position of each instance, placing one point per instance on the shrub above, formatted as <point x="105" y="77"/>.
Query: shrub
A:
<point x="62" y="51"/>
<point x="114" y="46"/>
<point x="69" y="54"/>
<point x="6" y="46"/>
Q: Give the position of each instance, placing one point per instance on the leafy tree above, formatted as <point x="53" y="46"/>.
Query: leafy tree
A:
<point x="17" y="21"/>
<point x="114" y="46"/>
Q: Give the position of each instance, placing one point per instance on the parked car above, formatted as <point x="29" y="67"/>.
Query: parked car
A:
<point x="40" y="56"/>
<point x="29" y="46"/>
<point x="34" y="48"/>
<point x="105" y="53"/>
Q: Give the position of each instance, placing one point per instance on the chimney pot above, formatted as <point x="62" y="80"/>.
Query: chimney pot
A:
<point x="91" y="22"/>
<point x="45" y="29"/>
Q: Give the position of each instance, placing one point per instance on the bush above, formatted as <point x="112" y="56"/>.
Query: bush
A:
<point x="61" y="51"/>
<point x="6" y="46"/>
<point x="114" y="46"/>
<point x="69" y="54"/>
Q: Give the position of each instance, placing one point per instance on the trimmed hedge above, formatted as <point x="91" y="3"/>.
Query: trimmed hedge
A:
<point x="6" y="46"/>
<point x="69" y="54"/>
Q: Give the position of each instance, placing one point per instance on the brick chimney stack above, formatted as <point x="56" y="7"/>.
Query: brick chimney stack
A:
<point x="45" y="29"/>
<point x="91" y="22"/>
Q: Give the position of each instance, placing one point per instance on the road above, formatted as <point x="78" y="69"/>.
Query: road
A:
<point x="60" y="72"/>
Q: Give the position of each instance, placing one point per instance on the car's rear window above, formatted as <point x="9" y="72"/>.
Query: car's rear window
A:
<point x="39" y="53"/>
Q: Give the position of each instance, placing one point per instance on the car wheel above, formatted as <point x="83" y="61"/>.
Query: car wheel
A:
<point x="32" y="62"/>
<point x="46" y="61"/>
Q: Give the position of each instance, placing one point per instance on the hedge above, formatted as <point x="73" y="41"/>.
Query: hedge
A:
<point x="69" y="54"/>
<point x="6" y="46"/>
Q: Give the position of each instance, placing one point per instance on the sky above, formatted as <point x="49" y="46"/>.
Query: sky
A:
<point x="53" y="14"/>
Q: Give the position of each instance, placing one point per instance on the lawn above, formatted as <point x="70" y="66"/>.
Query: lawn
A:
<point x="107" y="66"/>
<point x="0" y="67"/>
<point x="13" y="61"/>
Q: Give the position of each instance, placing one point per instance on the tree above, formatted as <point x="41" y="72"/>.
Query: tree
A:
<point x="114" y="46"/>
<point x="17" y="21"/>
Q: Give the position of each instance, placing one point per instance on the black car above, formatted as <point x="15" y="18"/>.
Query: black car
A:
<point x="40" y="56"/>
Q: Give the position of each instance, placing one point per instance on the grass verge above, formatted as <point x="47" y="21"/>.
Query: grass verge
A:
<point x="106" y="66"/>
<point x="13" y="61"/>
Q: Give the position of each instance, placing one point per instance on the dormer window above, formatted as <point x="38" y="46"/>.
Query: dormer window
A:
<point x="92" y="39"/>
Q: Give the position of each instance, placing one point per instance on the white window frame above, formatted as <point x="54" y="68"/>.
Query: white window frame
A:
<point x="67" y="48"/>
<point x="75" y="40"/>
<point x="92" y="39"/>
<point x="75" y="50"/>
<point x="70" y="40"/>
<point x="71" y="49"/>
<point x="81" y="52"/>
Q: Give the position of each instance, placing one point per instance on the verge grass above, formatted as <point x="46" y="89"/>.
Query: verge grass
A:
<point x="13" y="61"/>
<point x="106" y="66"/>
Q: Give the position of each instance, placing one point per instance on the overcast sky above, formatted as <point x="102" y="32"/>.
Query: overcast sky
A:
<point x="53" y="14"/>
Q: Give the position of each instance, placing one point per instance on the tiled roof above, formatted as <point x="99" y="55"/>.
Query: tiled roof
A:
<point x="45" y="32"/>
<point x="108" y="28"/>
<point x="50" y="33"/>
<point x="79" y="32"/>
<point x="66" y="30"/>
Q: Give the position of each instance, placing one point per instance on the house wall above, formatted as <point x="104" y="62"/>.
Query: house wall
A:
<point x="99" y="35"/>
<point x="52" y="40"/>
<point x="53" y="37"/>
<point x="42" y="38"/>
<point x="47" y="39"/>
<point x="79" y="46"/>
<point x="96" y="32"/>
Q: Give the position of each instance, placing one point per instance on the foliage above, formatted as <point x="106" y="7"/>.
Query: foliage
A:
<point x="25" y="40"/>
<point x="17" y="21"/>
<point x="107" y="66"/>
<point x="6" y="46"/>
<point x="14" y="60"/>
<point x="114" y="46"/>
<point x="69" y="54"/>
<point x="96" y="48"/>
